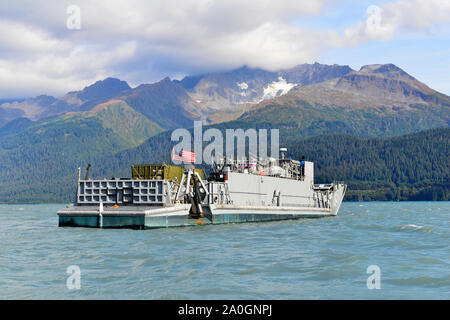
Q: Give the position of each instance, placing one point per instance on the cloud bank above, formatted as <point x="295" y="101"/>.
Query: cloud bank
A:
<point x="140" y="41"/>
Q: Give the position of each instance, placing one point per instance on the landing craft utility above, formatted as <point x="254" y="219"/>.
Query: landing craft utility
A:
<point x="159" y="196"/>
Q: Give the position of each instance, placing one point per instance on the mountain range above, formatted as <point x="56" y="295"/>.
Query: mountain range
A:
<point x="44" y="139"/>
<point x="377" y="100"/>
<point x="308" y="95"/>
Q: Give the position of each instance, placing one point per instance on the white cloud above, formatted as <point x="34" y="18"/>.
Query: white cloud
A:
<point x="19" y="38"/>
<point x="418" y="15"/>
<point x="132" y="38"/>
<point x="383" y="22"/>
<point x="55" y="73"/>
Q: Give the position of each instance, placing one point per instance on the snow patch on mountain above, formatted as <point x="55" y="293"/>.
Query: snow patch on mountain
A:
<point x="242" y="85"/>
<point x="277" y="88"/>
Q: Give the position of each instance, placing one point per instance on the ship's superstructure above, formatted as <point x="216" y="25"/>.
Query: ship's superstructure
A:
<point x="234" y="191"/>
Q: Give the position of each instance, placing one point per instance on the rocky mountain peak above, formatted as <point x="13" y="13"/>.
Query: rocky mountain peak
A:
<point x="387" y="70"/>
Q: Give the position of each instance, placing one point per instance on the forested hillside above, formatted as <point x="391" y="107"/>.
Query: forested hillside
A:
<point x="38" y="161"/>
<point x="410" y="167"/>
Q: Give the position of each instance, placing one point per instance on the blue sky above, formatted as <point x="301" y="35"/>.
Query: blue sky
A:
<point x="144" y="41"/>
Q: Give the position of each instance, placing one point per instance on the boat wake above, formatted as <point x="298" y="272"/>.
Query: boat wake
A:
<point x="413" y="227"/>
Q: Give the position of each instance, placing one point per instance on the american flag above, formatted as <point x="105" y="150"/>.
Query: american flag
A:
<point x="183" y="155"/>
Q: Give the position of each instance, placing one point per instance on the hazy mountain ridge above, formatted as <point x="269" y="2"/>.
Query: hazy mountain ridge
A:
<point x="31" y="108"/>
<point x="44" y="106"/>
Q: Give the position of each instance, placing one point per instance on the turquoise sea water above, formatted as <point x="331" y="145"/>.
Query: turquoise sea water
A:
<point x="302" y="259"/>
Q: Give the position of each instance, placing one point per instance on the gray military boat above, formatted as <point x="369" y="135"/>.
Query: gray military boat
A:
<point x="233" y="192"/>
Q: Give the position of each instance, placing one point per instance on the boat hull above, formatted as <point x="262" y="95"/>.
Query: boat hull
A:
<point x="178" y="216"/>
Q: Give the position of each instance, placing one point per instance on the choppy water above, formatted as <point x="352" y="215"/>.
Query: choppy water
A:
<point x="303" y="259"/>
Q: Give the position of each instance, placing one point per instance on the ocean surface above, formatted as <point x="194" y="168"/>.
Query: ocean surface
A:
<point x="323" y="258"/>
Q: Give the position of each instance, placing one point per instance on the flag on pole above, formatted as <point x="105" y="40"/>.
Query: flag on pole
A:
<point x="183" y="155"/>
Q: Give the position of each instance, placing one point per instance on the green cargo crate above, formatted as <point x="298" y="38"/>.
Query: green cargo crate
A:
<point x="159" y="172"/>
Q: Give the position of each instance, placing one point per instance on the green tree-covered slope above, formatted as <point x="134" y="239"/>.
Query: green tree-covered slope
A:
<point x="39" y="163"/>
<point x="409" y="167"/>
